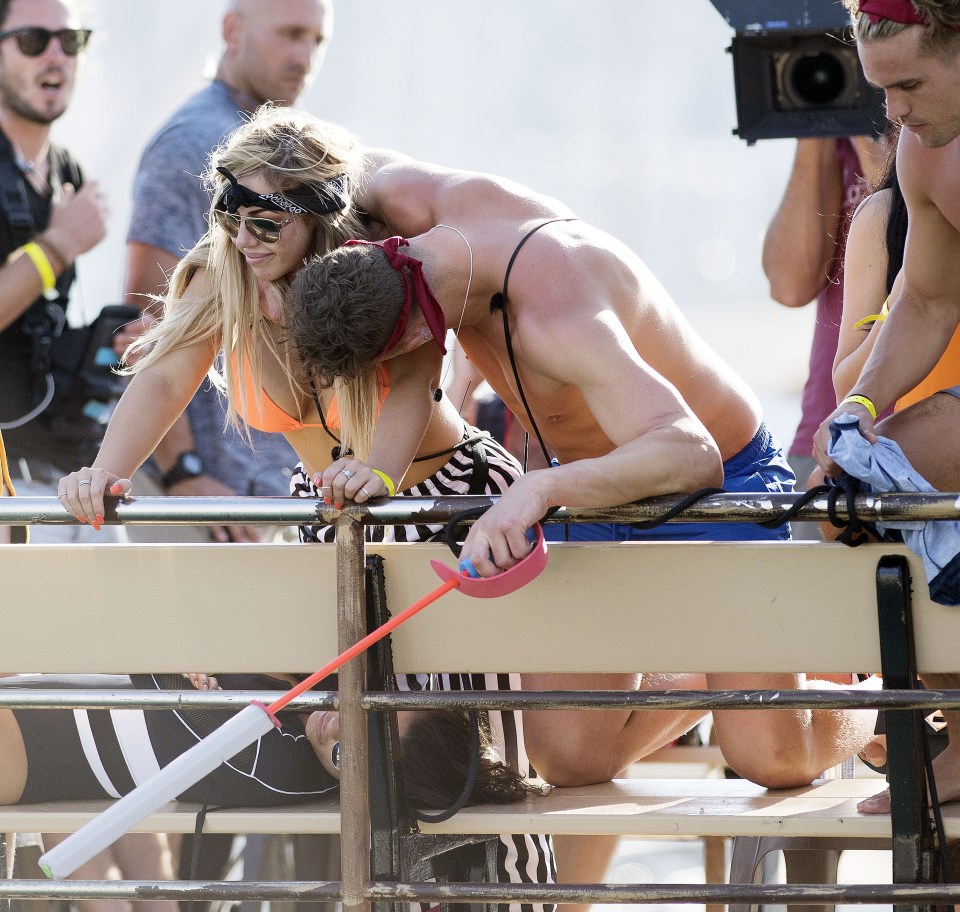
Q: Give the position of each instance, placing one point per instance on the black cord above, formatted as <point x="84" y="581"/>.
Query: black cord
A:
<point x="687" y="501"/>
<point x="854" y="531"/>
<point x="935" y="805"/>
<point x="473" y="767"/>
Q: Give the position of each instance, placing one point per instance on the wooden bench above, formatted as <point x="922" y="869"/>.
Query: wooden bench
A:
<point x="670" y="607"/>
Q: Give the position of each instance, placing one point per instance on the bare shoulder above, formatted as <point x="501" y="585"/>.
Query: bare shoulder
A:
<point x="410" y="196"/>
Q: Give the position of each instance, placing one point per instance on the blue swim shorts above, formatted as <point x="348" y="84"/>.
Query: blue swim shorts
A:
<point x="759" y="466"/>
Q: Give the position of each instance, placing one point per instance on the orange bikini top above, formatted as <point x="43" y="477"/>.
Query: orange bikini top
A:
<point x="258" y="410"/>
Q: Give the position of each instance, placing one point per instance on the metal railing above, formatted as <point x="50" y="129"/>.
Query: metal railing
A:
<point x="356" y="889"/>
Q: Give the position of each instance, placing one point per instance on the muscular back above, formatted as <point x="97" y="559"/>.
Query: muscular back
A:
<point x="602" y="350"/>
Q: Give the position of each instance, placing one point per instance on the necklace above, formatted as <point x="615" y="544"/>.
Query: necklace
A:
<point x="466" y="296"/>
<point x="30" y="170"/>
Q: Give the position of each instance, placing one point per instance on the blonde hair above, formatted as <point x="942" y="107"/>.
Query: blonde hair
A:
<point x="288" y="149"/>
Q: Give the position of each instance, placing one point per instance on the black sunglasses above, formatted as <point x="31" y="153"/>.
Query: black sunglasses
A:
<point x="34" y="40"/>
<point x="265" y="230"/>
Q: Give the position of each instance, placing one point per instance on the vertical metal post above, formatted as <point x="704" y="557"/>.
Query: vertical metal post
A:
<point x="909" y="820"/>
<point x="354" y="807"/>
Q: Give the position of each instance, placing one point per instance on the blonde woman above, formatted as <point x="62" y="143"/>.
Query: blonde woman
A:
<point x="284" y="189"/>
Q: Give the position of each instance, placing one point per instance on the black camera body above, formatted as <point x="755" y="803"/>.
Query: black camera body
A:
<point x="796" y="71"/>
<point x="83" y="366"/>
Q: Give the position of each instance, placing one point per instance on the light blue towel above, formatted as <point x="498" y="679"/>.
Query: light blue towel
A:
<point x="883" y="468"/>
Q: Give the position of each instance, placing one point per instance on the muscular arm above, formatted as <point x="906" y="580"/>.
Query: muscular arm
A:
<point x="801" y="238"/>
<point x="77" y="224"/>
<point x="927" y="311"/>
<point x="659" y="445"/>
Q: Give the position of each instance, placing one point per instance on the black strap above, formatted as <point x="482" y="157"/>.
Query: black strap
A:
<point x="336" y="452"/>
<point x="854" y="531"/>
<point x="499" y="302"/>
<point x="14" y="202"/>
<point x="469" y="781"/>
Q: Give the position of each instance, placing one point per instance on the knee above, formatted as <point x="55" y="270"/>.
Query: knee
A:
<point x="773" y="768"/>
<point x="567" y="758"/>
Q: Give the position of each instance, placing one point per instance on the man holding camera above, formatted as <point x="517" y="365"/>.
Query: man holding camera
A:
<point x="48" y="216"/>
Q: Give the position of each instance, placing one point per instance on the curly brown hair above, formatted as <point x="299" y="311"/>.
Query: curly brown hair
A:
<point x="940" y="31"/>
<point x="343" y="307"/>
<point x="435" y="757"/>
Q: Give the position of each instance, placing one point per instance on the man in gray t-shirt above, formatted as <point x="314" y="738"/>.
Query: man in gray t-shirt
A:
<point x="270" y="53"/>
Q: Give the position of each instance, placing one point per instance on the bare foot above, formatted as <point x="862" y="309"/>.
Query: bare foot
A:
<point x="946" y="772"/>
<point x="874" y="751"/>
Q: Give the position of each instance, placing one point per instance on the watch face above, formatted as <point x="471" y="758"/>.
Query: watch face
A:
<point x="191" y="463"/>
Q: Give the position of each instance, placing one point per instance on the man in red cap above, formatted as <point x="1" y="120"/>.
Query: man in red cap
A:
<point x="911" y="49"/>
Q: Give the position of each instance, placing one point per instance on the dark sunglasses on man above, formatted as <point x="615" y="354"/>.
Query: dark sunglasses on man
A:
<point x="34" y="40"/>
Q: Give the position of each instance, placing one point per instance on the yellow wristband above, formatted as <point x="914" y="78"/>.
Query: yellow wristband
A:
<point x="387" y="480"/>
<point x="40" y="262"/>
<point x="865" y="402"/>
<point x="873" y="318"/>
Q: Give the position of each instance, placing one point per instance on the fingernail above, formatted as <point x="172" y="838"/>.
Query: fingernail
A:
<point x="338" y="506"/>
<point x="326" y="501"/>
<point x="116" y="489"/>
<point x="100" y="519"/>
<point x="317" y="480"/>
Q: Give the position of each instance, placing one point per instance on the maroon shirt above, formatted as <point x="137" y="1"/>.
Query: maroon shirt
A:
<point x="819" y="398"/>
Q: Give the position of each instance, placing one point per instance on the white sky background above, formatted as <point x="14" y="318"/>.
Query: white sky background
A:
<point x="623" y="109"/>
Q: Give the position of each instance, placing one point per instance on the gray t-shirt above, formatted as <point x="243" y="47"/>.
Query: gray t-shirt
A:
<point x="170" y="209"/>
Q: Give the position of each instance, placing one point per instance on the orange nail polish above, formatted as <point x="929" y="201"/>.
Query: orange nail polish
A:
<point x="338" y="506"/>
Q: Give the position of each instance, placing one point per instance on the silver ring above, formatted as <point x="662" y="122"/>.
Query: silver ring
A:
<point x="62" y="494"/>
<point x="346" y="473"/>
<point x="80" y="483"/>
<point x="426" y="336"/>
<point x="365" y="491"/>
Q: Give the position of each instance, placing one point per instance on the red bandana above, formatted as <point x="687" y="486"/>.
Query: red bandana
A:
<point x="902" y="11"/>
<point x="415" y="289"/>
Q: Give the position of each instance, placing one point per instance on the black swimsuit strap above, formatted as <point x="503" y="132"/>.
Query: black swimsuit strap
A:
<point x="336" y="452"/>
<point x="465" y="440"/>
<point x="499" y="302"/>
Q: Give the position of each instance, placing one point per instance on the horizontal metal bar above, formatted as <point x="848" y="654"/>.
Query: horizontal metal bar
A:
<point x="30" y="698"/>
<point x="664" y="699"/>
<point x="300" y="891"/>
<point x="749" y="894"/>
<point x="393" y="511"/>
<point x="325" y="891"/>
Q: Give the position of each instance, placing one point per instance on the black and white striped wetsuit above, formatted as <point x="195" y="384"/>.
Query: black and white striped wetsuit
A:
<point x="478" y="465"/>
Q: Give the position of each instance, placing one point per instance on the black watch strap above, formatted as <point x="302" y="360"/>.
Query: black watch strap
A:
<point x="188" y="465"/>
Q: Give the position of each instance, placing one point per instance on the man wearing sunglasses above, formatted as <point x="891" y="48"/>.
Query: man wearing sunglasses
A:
<point x="271" y="50"/>
<point x="48" y="216"/>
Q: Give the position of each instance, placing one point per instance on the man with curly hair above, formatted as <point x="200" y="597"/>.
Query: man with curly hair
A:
<point x="911" y="49"/>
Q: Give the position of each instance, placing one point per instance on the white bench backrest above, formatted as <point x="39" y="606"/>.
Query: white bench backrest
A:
<point x="598" y="607"/>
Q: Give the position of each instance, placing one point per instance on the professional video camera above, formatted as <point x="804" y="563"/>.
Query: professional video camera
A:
<point x="796" y="71"/>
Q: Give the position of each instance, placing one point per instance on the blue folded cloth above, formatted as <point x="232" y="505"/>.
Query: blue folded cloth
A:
<point x="883" y="468"/>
